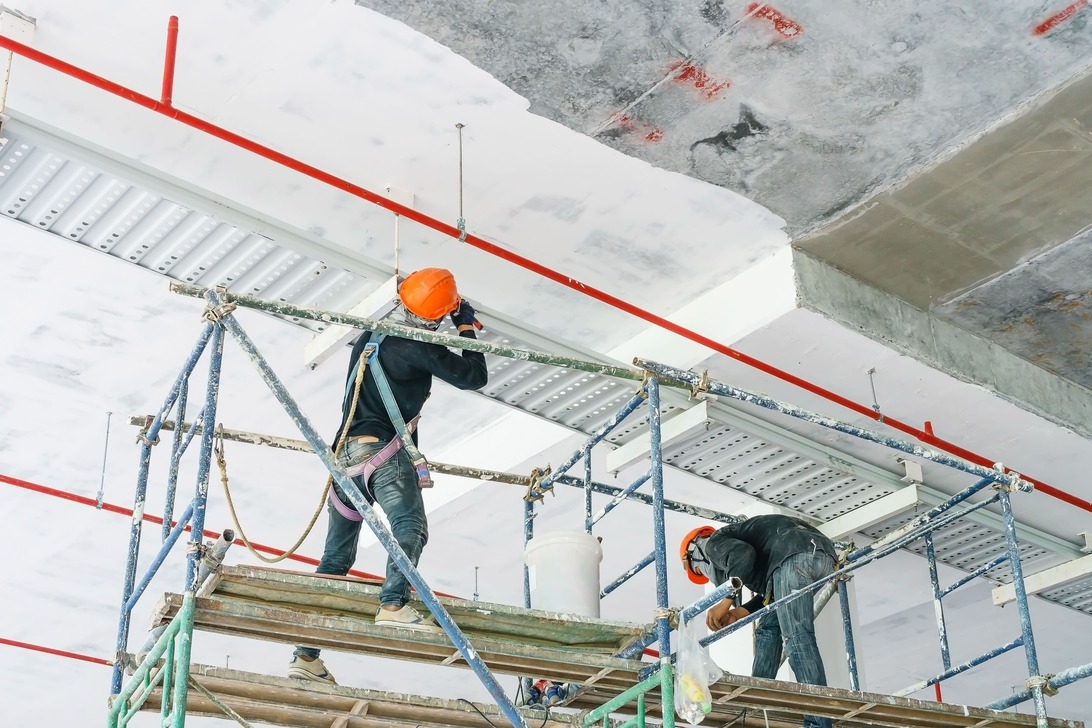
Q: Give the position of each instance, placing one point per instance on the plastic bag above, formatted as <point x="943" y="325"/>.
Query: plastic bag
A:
<point x="694" y="671"/>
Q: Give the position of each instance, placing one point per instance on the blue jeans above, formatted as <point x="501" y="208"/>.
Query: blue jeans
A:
<point x="397" y="493"/>
<point x="795" y="622"/>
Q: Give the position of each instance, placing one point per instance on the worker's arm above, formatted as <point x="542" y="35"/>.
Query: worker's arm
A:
<point x="466" y="370"/>
<point x="723" y="613"/>
<point x="731" y="557"/>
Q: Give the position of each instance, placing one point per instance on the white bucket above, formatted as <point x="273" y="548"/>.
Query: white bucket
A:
<point x="563" y="568"/>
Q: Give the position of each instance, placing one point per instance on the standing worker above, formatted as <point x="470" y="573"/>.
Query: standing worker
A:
<point x="389" y="379"/>
<point x="773" y="555"/>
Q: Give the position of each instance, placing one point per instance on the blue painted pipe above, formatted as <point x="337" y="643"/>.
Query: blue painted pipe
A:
<point x="208" y="432"/>
<point x="176" y="452"/>
<point x="953" y="671"/>
<point x="1063" y="678"/>
<point x="153" y="568"/>
<point x="636" y="401"/>
<point x="621" y="497"/>
<point x="1013" y="547"/>
<point x="629" y="574"/>
<point x="938" y="603"/>
<point x="663" y="625"/>
<point x="847" y="629"/>
<point x="138" y="502"/>
<point x="720" y="388"/>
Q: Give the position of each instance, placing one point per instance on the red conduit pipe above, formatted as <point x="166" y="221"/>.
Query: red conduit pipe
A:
<point x="159" y="521"/>
<point x="168" y="61"/>
<point x="442" y="227"/>
<point x="51" y="651"/>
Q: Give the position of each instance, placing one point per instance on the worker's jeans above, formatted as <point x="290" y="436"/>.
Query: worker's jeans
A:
<point x="796" y="622"/>
<point x="397" y="493"/>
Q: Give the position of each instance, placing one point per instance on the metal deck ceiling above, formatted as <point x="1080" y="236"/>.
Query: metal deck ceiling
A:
<point x="87" y="196"/>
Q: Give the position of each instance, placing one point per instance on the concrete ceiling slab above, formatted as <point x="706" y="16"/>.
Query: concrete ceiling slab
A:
<point x="827" y="114"/>
<point x="987" y="254"/>
<point x="806" y="108"/>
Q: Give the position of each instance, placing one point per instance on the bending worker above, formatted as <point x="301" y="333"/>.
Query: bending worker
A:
<point x="389" y="380"/>
<point x="773" y="555"/>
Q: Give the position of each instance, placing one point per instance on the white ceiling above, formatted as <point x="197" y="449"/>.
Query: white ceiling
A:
<point x="364" y="98"/>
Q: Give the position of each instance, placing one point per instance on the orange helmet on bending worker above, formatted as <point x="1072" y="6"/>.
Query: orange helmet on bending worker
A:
<point x="684" y="553"/>
<point x="429" y="293"/>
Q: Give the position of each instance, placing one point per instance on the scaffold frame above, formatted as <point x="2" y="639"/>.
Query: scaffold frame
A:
<point x="173" y="639"/>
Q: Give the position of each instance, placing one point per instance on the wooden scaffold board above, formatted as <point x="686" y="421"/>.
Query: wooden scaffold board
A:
<point x="338" y="613"/>
<point x="286" y="702"/>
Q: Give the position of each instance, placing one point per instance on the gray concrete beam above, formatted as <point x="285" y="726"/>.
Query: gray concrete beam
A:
<point x="829" y="291"/>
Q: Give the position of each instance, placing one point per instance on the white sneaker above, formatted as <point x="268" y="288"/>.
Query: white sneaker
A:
<point x="407" y="618"/>
<point x="314" y="670"/>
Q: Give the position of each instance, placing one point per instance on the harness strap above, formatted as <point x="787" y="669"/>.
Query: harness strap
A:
<point x="424" y="479"/>
<point x="365" y="470"/>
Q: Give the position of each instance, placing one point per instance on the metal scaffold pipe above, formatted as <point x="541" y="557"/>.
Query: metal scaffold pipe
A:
<point x="462" y="471"/>
<point x="408" y="332"/>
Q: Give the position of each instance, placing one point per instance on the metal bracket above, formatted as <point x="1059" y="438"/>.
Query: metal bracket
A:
<point x="913" y="471"/>
<point x="1087" y="537"/>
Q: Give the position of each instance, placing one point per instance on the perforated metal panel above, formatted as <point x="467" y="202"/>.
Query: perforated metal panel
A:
<point x="88" y="204"/>
<point x="88" y="197"/>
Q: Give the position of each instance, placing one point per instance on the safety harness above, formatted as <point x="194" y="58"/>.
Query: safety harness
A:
<point x="365" y="470"/>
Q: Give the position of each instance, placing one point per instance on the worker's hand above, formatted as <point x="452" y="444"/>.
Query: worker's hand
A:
<point x="463" y="315"/>
<point x="722" y="614"/>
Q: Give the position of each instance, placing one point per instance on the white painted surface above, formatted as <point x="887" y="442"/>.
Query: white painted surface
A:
<point x="365" y="98"/>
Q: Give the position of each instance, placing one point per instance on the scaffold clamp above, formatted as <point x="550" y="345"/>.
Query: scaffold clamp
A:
<point x="534" y="492"/>
<point x="1042" y="681"/>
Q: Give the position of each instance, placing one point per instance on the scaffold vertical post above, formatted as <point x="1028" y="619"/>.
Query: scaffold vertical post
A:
<point x="147" y="440"/>
<point x="847" y="629"/>
<point x="663" y="625"/>
<point x="208" y="430"/>
<point x="528" y="534"/>
<point x="1028" y="639"/>
<point x="588" y="522"/>
<point x="938" y="602"/>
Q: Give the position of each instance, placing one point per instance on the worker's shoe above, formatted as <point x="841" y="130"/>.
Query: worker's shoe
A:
<point x="314" y="670"/>
<point x="406" y="617"/>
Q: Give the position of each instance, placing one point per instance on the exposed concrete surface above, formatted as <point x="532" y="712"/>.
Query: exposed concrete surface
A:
<point x="806" y="108"/>
<point x="941" y="344"/>
<point x="1015" y="193"/>
<point x="1041" y="311"/>
<point x="981" y="265"/>
<point x="816" y="109"/>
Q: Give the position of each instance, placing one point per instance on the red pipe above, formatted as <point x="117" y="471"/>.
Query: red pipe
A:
<point x="159" y="521"/>
<point x="168" y="61"/>
<point x="442" y="227"/>
<point x="51" y="651"/>
<point x="936" y="691"/>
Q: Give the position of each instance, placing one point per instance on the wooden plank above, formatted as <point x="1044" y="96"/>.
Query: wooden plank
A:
<point x="353" y="635"/>
<point x="360" y="597"/>
<point x="338" y="613"/>
<point x="286" y="702"/>
<point x="734" y="694"/>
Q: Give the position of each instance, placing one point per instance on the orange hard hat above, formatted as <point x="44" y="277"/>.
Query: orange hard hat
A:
<point x="684" y="553"/>
<point x="429" y="293"/>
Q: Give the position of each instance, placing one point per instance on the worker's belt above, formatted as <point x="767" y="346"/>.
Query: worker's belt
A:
<point x="364" y="439"/>
<point x="364" y="472"/>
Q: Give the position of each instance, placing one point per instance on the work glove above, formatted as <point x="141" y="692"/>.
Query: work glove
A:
<point x="464" y="315"/>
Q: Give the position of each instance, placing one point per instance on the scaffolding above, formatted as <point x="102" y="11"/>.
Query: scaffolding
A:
<point x="603" y="657"/>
